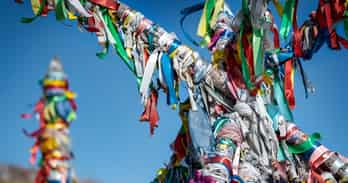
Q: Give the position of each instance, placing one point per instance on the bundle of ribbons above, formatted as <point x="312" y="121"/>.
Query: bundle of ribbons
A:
<point x="55" y="111"/>
<point x="237" y="122"/>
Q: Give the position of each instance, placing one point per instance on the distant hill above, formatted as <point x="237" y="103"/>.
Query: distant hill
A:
<point x="17" y="174"/>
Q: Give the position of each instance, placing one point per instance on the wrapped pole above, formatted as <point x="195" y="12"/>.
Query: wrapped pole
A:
<point x="55" y="111"/>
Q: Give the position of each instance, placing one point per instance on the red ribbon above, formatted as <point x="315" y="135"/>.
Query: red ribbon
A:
<point x="289" y="83"/>
<point x="233" y="69"/>
<point x="276" y="41"/>
<point x="39" y="108"/>
<point x="333" y="36"/>
<point x="42" y="174"/>
<point x="297" y="37"/>
<point x="275" y="32"/>
<point x="150" y="113"/>
<point x="179" y="146"/>
<point x="297" y="43"/>
<point x="328" y="13"/>
<point x="73" y="104"/>
<point x="343" y="41"/>
<point x="45" y="10"/>
<point x="92" y="27"/>
<point x="221" y="159"/>
<point x="40" y="105"/>
<point x="49" y="87"/>
<point x="110" y="4"/>
<point x="33" y="134"/>
<point x="248" y="51"/>
<point x="34" y="149"/>
<point x="319" y="156"/>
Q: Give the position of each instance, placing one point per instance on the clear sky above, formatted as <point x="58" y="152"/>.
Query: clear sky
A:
<point x="109" y="142"/>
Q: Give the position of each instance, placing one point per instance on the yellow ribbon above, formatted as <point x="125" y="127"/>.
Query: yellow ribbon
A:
<point x="50" y="112"/>
<point x="71" y="16"/>
<point x="161" y="174"/>
<point x="278" y="7"/>
<point x="218" y="56"/>
<point x="202" y="26"/>
<point x="174" y="53"/>
<point x="70" y="94"/>
<point x="56" y="125"/>
<point x="57" y="83"/>
<point x="239" y="56"/>
<point x="129" y="17"/>
<point x="35" y="5"/>
<point x="219" y="6"/>
<point x="48" y="145"/>
<point x="55" y="155"/>
<point x="206" y="23"/>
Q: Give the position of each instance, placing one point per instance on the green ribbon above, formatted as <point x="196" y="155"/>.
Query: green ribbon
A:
<point x="121" y="51"/>
<point x="245" y="69"/>
<point x="273" y="51"/>
<point x="287" y="18"/>
<point x="245" y="8"/>
<point x="29" y="20"/>
<point x="150" y="38"/>
<point x="104" y="52"/>
<point x="281" y="99"/>
<point x="305" y="146"/>
<point x="58" y="99"/>
<point x="257" y="51"/>
<point x="228" y="142"/>
<point x="61" y="11"/>
<point x="52" y="103"/>
<point x="72" y="116"/>
<point x="40" y="162"/>
<point x="281" y="155"/>
<point x="273" y="112"/>
<point x="209" y="5"/>
<point x="218" y="124"/>
<point x="345" y="23"/>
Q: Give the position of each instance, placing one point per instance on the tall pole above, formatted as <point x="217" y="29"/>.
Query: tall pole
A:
<point x="55" y="112"/>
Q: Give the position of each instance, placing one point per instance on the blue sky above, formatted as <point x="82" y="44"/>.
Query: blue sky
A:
<point x="109" y="142"/>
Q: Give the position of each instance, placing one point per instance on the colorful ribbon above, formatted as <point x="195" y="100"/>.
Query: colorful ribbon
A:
<point x="287" y="18"/>
<point x="168" y="76"/>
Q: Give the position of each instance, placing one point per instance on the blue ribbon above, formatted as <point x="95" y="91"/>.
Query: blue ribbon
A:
<point x="53" y="181"/>
<point x="173" y="46"/>
<point x="237" y="178"/>
<point x="307" y="155"/>
<point x="168" y="76"/>
<point x="63" y="109"/>
<point x="284" y="56"/>
<point x="55" y="92"/>
<point x="200" y="130"/>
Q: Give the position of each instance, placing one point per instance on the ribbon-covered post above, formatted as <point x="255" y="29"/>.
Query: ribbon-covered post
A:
<point x="55" y="111"/>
